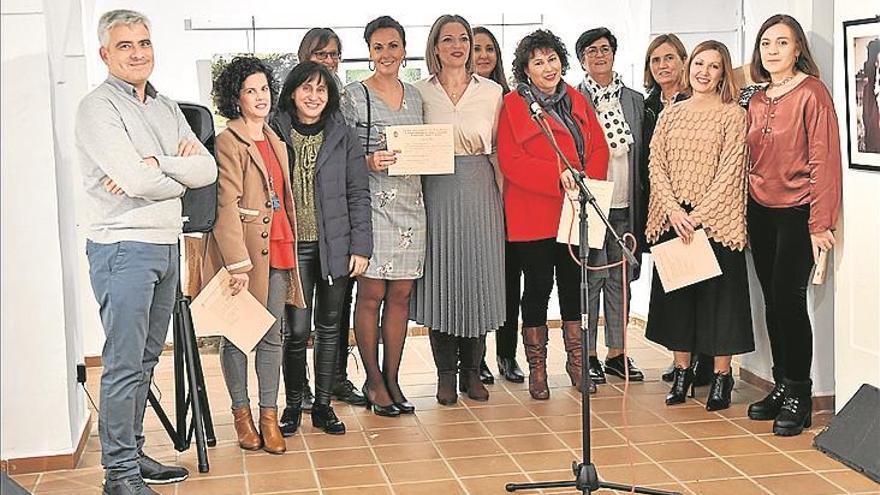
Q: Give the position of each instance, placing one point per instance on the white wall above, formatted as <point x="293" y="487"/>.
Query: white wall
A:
<point x="43" y="410"/>
<point x="857" y="258"/>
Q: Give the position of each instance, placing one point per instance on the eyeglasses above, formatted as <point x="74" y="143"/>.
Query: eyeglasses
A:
<point x="324" y="55"/>
<point x="594" y="51"/>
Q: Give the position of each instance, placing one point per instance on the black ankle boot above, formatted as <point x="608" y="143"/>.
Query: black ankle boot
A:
<point x="290" y="420"/>
<point x="768" y="407"/>
<point x="797" y="409"/>
<point x="324" y="418"/>
<point x="682" y="380"/>
<point x="719" y="391"/>
<point x="704" y="369"/>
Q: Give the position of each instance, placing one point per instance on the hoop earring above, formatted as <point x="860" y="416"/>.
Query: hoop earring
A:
<point x="371" y="65"/>
<point x="404" y="63"/>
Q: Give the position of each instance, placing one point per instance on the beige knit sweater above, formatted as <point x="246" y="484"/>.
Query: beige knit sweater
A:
<point x="698" y="158"/>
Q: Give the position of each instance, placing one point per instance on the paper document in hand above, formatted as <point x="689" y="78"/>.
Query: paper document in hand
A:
<point x="239" y="318"/>
<point x="680" y="264"/>
<point x="424" y="149"/>
<point x="569" y="220"/>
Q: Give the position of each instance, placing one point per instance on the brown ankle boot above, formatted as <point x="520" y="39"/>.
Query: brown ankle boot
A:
<point x="248" y="438"/>
<point x="445" y="350"/>
<point x="535" y="344"/>
<point x="471" y="353"/>
<point x="273" y="441"/>
<point x="571" y="336"/>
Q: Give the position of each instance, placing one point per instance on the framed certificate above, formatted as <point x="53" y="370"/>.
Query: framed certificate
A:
<point x="425" y="149"/>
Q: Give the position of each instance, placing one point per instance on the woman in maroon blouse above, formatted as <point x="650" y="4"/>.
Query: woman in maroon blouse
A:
<point x="794" y="189"/>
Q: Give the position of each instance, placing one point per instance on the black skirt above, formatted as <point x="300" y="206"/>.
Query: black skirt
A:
<point x="712" y="317"/>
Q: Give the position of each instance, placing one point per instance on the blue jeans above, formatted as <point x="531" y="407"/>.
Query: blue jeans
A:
<point x="135" y="285"/>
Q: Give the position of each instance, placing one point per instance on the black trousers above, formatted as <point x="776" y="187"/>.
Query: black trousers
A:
<point x="324" y="303"/>
<point x="505" y="337"/>
<point x="783" y="254"/>
<point x="539" y="259"/>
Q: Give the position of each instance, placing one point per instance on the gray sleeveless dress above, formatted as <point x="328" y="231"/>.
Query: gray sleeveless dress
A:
<point x="397" y="202"/>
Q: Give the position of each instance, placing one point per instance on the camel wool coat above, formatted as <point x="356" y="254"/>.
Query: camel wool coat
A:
<point x="240" y="239"/>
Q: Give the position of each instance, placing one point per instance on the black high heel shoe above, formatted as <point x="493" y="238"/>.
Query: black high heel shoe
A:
<point x="719" y="391"/>
<point x="682" y="380"/>
<point x="389" y="411"/>
<point x="405" y="406"/>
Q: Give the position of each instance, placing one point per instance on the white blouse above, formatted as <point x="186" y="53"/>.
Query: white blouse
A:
<point x="474" y="118"/>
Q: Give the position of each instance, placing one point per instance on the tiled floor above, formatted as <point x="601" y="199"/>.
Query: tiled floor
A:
<point x="476" y="448"/>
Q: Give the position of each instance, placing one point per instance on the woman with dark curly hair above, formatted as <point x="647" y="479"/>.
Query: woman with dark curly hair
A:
<point x="534" y="190"/>
<point x="334" y="229"/>
<point x="254" y="238"/>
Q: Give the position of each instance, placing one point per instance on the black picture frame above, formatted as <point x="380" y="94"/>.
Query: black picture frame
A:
<point x="853" y="30"/>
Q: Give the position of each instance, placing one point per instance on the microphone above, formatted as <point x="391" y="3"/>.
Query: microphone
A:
<point x="534" y="107"/>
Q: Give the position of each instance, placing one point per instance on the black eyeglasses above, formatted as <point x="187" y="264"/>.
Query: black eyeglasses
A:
<point x="323" y="55"/>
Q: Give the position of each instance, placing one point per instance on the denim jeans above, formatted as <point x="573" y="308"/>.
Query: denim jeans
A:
<point x="135" y="285"/>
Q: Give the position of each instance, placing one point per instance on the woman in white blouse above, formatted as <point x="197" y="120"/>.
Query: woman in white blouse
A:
<point x="461" y="295"/>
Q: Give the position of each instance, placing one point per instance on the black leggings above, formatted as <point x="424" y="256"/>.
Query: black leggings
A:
<point x="783" y="255"/>
<point x="538" y="260"/>
<point x="505" y="337"/>
<point x="325" y="310"/>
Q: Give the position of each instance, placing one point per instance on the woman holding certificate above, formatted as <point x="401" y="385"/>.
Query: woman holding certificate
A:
<point x="535" y="187"/>
<point x="334" y="229"/>
<point x="254" y="238"/>
<point x="794" y="201"/>
<point x="398" y="208"/>
<point x="461" y="295"/>
<point x="698" y="181"/>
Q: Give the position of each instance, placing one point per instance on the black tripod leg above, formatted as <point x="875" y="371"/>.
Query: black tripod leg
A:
<point x="202" y="391"/>
<point x="180" y="406"/>
<point x="188" y="341"/>
<point x="166" y="423"/>
<point x="637" y="489"/>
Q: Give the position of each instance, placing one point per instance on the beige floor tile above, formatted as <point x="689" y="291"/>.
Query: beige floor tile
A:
<point x="483" y="465"/>
<point x="409" y="472"/>
<point x="711" y="429"/>
<point x="509" y="427"/>
<point x="457" y="431"/>
<point x="345" y="457"/>
<point x="445" y="487"/>
<point x="545" y="461"/>
<point x="798" y="484"/>
<point x="283" y="481"/>
<point x="229" y="485"/>
<point x="700" y="469"/>
<point x="738" y="486"/>
<point x="531" y="443"/>
<point x="853" y="482"/>
<point x="350" y="476"/>
<point x="737" y="446"/>
<point x="491" y="485"/>
<point x="674" y="451"/>
<point x="765" y="464"/>
<point x="469" y="448"/>
<point x="269" y="463"/>
<point x="409" y="452"/>
<point x="817" y="461"/>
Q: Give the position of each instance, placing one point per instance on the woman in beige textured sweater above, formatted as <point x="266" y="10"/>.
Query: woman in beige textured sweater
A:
<point x="698" y="181"/>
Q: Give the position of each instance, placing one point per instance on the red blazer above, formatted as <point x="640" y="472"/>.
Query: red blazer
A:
<point x="532" y="191"/>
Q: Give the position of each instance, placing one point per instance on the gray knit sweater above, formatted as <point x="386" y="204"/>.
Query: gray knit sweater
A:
<point x="115" y="131"/>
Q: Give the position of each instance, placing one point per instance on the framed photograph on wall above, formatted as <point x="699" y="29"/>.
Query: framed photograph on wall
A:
<point x="861" y="58"/>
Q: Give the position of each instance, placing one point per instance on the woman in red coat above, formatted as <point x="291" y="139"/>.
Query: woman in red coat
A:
<point x="534" y="189"/>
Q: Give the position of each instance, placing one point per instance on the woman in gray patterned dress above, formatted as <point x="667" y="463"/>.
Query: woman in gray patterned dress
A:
<point x="398" y="216"/>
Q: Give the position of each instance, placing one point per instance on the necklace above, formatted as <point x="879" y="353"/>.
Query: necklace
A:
<point x="781" y="83"/>
<point x="453" y="91"/>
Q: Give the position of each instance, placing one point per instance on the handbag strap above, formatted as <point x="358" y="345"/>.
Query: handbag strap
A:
<point x="369" y="117"/>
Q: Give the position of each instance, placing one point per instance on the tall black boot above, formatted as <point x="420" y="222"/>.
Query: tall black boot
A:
<point x="797" y="408"/>
<point x="768" y="407"/>
<point x="293" y="366"/>
<point x="343" y="389"/>
<point x="444" y="347"/>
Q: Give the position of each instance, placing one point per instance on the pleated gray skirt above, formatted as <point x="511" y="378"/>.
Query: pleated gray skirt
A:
<point x="462" y="290"/>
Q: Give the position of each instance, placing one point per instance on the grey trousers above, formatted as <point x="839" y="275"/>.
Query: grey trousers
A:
<point x="135" y="285"/>
<point x="608" y="283"/>
<point x="233" y="362"/>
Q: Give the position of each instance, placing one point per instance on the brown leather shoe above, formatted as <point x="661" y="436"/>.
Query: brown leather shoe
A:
<point x="535" y="344"/>
<point x="471" y="353"/>
<point x="571" y="336"/>
<point x="273" y="441"/>
<point x="248" y="438"/>
<point x="445" y="350"/>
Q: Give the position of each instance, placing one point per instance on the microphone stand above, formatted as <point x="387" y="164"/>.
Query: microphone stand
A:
<point x="586" y="477"/>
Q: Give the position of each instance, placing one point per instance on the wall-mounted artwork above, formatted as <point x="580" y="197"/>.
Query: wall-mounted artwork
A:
<point x="862" y="71"/>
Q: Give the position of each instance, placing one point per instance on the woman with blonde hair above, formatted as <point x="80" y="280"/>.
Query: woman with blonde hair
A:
<point x="461" y="295"/>
<point x="698" y="181"/>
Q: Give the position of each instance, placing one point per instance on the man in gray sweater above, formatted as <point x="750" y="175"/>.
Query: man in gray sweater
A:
<point x="138" y="156"/>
